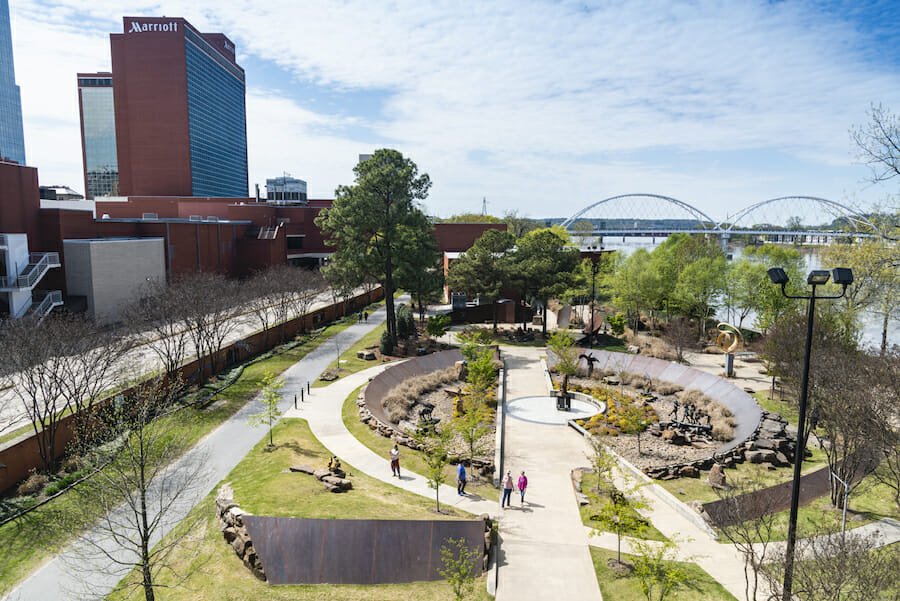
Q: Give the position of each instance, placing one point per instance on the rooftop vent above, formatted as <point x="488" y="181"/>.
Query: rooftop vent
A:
<point x="149" y="216"/>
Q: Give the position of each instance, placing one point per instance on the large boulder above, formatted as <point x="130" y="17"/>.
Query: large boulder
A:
<point x="762" y="456"/>
<point x="716" y="477"/>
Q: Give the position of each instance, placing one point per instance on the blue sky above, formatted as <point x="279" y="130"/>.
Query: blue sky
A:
<point x="541" y="107"/>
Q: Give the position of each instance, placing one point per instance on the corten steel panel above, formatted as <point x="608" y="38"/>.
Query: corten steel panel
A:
<point x="306" y="551"/>
<point x="396" y="374"/>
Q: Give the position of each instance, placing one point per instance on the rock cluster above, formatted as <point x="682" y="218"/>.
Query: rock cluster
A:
<point x="231" y="522"/>
<point x="771" y="444"/>
<point x="488" y="541"/>
<point x="333" y="480"/>
<point x="484" y="467"/>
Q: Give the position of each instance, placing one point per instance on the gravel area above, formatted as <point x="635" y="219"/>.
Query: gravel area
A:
<point x="442" y="399"/>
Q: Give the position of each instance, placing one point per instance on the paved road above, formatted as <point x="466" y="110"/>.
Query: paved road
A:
<point x="220" y="451"/>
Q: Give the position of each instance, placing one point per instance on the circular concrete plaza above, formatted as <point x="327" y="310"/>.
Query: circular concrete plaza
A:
<point x="542" y="410"/>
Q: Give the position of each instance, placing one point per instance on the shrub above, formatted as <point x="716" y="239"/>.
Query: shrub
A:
<point x="406" y="323"/>
<point x="33" y="485"/>
<point x="386" y="346"/>
<point x="667" y="388"/>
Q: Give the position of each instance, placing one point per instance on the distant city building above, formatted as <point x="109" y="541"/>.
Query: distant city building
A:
<point x="286" y="189"/>
<point x="364" y="157"/>
<point x="98" y="134"/>
<point x="12" y="134"/>
<point x="179" y="113"/>
<point x="59" y="193"/>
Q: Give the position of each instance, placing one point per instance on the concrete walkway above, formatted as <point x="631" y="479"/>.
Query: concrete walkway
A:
<point x="220" y="451"/>
<point x="322" y="410"/>
<point x="544" y="551"/>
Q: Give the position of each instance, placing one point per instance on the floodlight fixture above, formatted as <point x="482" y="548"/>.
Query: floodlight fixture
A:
<point x="778" y="276"/>
<point x="818" y="277"/>
<point x="842" y="276"/>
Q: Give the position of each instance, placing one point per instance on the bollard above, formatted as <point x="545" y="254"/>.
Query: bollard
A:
<point x="295" y="401"/>
<point x="307" y="387"/>
<point x="301" y="395"/>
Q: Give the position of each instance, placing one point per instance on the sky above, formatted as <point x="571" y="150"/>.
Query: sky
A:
<point x="538" y="107"/>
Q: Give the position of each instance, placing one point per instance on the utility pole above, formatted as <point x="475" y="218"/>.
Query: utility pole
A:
<point x="484" y="205"/>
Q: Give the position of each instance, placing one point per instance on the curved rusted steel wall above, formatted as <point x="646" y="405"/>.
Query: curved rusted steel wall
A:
<point x="397" y="374"/>
<point x="744" y="407"/>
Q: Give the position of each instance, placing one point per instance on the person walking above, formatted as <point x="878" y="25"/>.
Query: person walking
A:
<point x="460" y="479"/>
<point x="523" y="484"/>
<point x="507" y="490"/>
<point x="366" y="316"/>
<point x="395" y="462"/>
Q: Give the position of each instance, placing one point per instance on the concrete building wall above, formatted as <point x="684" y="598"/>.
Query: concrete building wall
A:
<point x="113" y="273"/>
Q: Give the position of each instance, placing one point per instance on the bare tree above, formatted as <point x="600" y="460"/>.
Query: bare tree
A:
<point x="159" y="318"/>
<point x="846" y="568"/>
<point x="681" y="336"/>
<point x="878" y="143"/>
<point x="260" y="291"/>
<point x="143" y="492"/>
<point x="747" y="518"/>
<point x="65" y="363"/>
<point x="212" y="306"/>
<point x="302" y="287"/>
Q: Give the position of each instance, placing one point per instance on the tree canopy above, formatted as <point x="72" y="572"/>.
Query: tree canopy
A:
<point x="374" y="224"/>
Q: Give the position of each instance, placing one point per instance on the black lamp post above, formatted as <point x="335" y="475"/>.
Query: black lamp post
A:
<point x="594" y="269"/>
<point x="844" y="277"/>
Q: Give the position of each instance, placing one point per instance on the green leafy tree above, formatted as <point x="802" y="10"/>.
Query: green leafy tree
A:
<point x="436" y="455"/>
<point x="370" y="224"/>
<point x="459" y="563"/>
<point x="472" y="426"/>
<point x="270" y="397"/>
<point x="422" y="274"/>
<point x="632" y="420"/>
<point x="484" y="269"/>
<point x="438" y="325"/>
<point x="471" y="218"/>
<point x="617" y="323"/>
<point x="565" y="356"/>
<point x="658" y="573"/>
<point x="699" y="285"/>
<point x="518" y="225"/>
<point x="635" y="285"/>
<point x="482" y="372"/>
<point x="876" y="282"/>
<point x="544" y="264"/>
<point x="620" y="514"/>
<point x="767" y="300"/>
<point x="406" y="323"/>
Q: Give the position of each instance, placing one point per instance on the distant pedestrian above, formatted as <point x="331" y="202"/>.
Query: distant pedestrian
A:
<point x="395" y="462"/>
<point x="460" y="479"/>
<point x="366" y="316"/>
<point x="523" y="484"/>
<point x="359" y="316"/>
<point x="507" y="490"/>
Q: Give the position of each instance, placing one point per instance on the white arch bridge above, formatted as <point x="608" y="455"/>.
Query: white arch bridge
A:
<point x="786" y="218"/>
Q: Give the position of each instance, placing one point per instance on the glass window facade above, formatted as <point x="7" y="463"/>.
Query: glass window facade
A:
<point x="99" y="121"/>
<point x="12" y="135"/>
<point x="217" y="121"/>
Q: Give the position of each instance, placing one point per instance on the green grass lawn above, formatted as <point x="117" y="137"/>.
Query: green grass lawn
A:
<point x="597" y="500"/>
<point x="261" y="487"/>
<point x="869" y="503"/>
<point x="699" y="586"/>
<point x="787" y="409"/>
<point x="350" y="363"/>
<point x="35" y="538"/>
<point x="409" y="459"/>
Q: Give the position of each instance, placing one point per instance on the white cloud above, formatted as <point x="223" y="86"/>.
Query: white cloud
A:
<point x="570" y="105"/>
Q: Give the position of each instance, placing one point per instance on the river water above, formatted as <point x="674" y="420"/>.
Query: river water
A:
<point x="871" y="322"/>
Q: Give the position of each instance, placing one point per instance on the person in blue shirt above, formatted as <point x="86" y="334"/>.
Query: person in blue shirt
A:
<point x="460" y="479"/>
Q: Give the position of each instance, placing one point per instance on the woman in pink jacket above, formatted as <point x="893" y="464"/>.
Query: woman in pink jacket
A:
<point x="523" y="484"/>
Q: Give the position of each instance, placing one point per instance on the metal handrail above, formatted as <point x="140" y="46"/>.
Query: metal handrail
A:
<point x="51" y="299"/>
<point x="38" y="264"/>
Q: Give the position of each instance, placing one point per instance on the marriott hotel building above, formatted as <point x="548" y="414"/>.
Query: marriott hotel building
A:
<point x="179" y="115"/>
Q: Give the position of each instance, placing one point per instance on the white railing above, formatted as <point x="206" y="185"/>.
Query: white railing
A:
<point x="38" y="265"/>
<point x="50" y="299"/>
